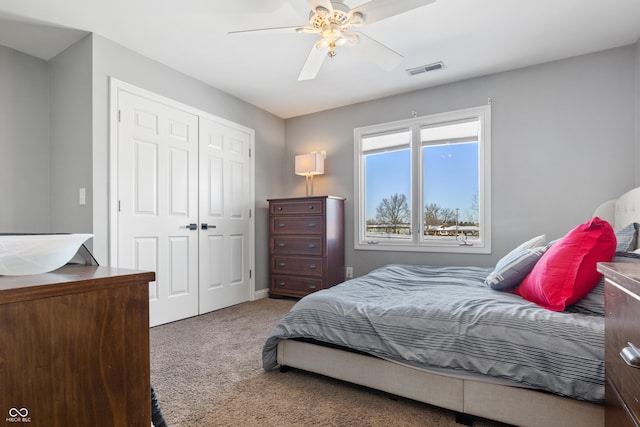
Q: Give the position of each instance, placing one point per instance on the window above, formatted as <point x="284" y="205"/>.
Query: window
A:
<point x="423" y="184"/>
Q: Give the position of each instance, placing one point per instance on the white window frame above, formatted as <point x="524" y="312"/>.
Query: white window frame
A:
<point x="416" y="244"/>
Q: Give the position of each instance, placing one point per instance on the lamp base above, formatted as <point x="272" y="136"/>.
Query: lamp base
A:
<point x="309" y="185"/>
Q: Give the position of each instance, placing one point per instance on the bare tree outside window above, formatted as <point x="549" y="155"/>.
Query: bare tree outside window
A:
<point x="393" y="212"/>
<point x="473" y="213"/>
<point x="435" y="216"/>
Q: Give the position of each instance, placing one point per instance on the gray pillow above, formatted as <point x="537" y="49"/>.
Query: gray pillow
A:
<point x="627" y="238"/>
<point x="513" y="268"/>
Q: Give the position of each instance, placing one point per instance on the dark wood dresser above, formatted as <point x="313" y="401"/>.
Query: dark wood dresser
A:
<point x="622" y="334"/>
<point x="306" y="244"/>
<point x="74" y="348"/>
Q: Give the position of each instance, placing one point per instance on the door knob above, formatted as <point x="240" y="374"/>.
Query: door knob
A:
<point x="205" y="226"/>
<point x="191" y="226"/>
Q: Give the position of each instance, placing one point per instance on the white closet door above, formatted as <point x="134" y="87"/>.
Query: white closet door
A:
<point x="225" y="208"/>
<point x="158" y="200"/>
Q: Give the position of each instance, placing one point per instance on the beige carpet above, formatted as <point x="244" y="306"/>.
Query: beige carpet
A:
<point x="207" y="371"/>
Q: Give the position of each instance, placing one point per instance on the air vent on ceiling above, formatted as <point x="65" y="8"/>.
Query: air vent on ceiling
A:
<point x="425" y="68"/>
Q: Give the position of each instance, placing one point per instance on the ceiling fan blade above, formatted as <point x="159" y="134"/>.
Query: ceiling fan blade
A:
<point x="275" y="30"/>
<point x="313" y="63"/>
<point x="376" y="10"/>
<point x="384" y="57"/>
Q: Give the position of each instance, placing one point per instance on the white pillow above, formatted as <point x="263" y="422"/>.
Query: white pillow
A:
<point x="534" y="242"/>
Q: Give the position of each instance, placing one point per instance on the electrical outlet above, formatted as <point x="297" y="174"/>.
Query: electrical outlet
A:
<point x="349" y="273"/>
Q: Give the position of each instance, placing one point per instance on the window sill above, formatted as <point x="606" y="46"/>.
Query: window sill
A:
<point x="475" y="248"/>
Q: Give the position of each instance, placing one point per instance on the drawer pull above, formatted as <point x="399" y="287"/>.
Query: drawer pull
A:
<point x="312" y="266"/>
<point x="281" y="245"/>
<point x="281" y="283"/>
<point x="281" y="264"/>
<point x="280" y="224"/>
<point x="310" y="206"/>
<point x="312" y="245"/>
<point x="312" y="287"/>
<point x="631" y="355"/>
<point x="313" y="225"/>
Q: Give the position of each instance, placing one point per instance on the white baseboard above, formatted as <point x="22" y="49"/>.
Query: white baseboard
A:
<point x="261" y="293"/>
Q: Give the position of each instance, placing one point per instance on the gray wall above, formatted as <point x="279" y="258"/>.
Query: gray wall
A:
<point x="24" y="143"/>
<point x="111" y="59"/>
<point x="70" y="135"/>
<point x="563" y="140"/>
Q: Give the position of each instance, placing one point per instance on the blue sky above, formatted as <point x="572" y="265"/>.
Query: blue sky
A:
<point x="451" y="173"/>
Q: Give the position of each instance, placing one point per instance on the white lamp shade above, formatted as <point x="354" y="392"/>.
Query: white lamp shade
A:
<point x="309" y="164"/>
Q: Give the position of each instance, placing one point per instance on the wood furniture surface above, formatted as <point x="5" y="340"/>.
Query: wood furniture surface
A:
<point x="622" y="327"/>
<point x="306" y="244"/>
<point x="74" y="348"/>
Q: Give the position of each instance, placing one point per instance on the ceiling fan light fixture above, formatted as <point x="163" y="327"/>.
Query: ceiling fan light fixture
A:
<point x="341" y="41"/>
<point x="306" y="30"/>
<point x="331" y="33"/>
<point x="351" y="39"/>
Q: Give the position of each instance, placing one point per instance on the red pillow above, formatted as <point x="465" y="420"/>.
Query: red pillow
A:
<point x="567" y="270"/>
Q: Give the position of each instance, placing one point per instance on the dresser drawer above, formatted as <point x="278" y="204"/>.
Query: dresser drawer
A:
<point x="307" y="266"/>
<point x="622" y="325"/>
<point x="290" y="285"/>
<point x="297" y="207"/>
<point x="297" y="225"/>
<point x="281" y="245"/>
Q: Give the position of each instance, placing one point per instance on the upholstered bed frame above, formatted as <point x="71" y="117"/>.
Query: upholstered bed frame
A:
<point x="470" y="396"/>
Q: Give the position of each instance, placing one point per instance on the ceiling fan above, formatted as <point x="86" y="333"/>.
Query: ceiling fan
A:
<point x="335" y="22"/>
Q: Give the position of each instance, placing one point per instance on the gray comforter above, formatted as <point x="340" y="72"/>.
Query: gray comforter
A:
<point x="446" y="317"/>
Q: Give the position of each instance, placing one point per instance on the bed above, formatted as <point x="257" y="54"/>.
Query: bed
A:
<point x="463" y="346"/>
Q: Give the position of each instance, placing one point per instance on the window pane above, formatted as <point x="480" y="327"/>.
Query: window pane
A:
<point x="388" y="195"/>
<point x="450" y="191"/>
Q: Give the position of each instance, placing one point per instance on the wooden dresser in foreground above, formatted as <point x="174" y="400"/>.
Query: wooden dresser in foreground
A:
<point x="622" y="334"/>
<point x="74" y="348"/>
<point x="306" y="244"/>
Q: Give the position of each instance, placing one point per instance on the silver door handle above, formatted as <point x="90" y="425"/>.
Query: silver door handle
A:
<point x="191" y="226"/>
<point x="205" y="226"/>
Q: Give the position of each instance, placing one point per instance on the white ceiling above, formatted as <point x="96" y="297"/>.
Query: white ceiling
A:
<point x="471" y="37"/>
